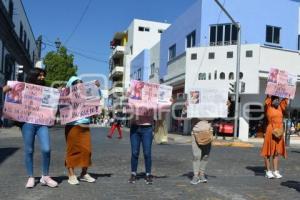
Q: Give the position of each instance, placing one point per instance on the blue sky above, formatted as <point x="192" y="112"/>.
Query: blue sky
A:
<point x="58" y="18"/>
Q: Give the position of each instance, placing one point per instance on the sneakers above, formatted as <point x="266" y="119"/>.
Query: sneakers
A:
<point x="202" y="179"/>
<point x="73" y="180"/>
<point x="195" y="180"/>
<point x="132" y="179"/>
<point x="87" y="178"/>
<point x="277" y="174"/>
<point x="148" y="180"/>
<point x="30" y="183"/>
<point x="47" y="180"/>
<point x="109" y="136"/>
<point x="120" y="137"/>
<point x="269" y="174"/>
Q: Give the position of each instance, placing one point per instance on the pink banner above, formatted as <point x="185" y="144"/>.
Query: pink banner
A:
<point x="281" y="84"/>
<point x="147" y="98"/>
<point x="31" y="103"/>
<point x="79" y="101"/>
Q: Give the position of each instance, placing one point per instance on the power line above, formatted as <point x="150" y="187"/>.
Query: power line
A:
<point x="79" y="21"/>
<point x="79" y="53"/>
<point x="80" y="50"/>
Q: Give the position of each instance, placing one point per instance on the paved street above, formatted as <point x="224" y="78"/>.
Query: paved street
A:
<point x="233" y="173"/>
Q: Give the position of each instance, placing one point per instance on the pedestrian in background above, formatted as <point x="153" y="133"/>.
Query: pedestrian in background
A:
<point x="274" y="146"/>
<point x="78" y="150"/>
<point x="116" y="124"/>
<point x="30" y="131"/>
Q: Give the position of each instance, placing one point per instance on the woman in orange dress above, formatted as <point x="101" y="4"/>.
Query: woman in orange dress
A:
<point x="273" y="147"/>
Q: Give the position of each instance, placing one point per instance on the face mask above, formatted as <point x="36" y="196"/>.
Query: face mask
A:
<point x="275" y="103"/>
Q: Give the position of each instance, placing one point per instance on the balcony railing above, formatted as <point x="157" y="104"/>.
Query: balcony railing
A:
<point x="115" y="89"/>
<point x="119" y="50"/>
<point x="116" y="71"/>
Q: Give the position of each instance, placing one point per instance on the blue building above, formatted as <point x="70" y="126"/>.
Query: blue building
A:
<point x="140" y="66"/>
<point x="204" y="38"/>
<point x="265" y="22"/>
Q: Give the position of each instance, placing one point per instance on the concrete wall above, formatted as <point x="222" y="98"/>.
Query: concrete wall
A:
<point x="155" y="59"/>
<point x="140" y="40"/>
<point x="222" y="64"/>
<point x="141" y="62"/>
<point x="253" y="15"/>
<point x="177" y="32"/>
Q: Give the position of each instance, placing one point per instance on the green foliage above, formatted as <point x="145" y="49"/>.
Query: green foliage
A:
<point x="59" y="67"/>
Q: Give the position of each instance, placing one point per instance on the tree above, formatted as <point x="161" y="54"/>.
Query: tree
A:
<point x="59" y="67"/>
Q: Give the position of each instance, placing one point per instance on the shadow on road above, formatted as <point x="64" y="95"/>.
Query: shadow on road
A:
<point x="60" y="179"/>
<point x="292" y="184"/>
<point x="143" y="175"/>
<point x="295" y="151"/>
<point x="96" y="176"/>
<point x="190" y="175"/>
<point x="7" y="152"/>
<point x="258" y="170"/>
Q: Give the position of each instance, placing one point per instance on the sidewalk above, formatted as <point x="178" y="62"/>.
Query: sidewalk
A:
<point x="252" y="142"/>
<point x="10" y="132"/>
<point x="294" y="140"/>
<point x="186" y="139"/>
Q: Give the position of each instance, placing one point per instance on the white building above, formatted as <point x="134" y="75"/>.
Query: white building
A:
<point x="256" y="61"/>
<point x="140" y="35"/>
<point x="200" y="47"/>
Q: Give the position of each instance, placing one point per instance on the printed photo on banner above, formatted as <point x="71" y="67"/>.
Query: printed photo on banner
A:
<point x="48" y="100"/>
<point x="165" y="93"/>
<point x="148" y="96"/>
<point x="136" y="90"/>
<point x="31" y="103"/>
<point x="273" y="75"/>
<point x="91" y="92"/>
<point x="194" y="97"/>
<point x="207" y="102"/>
<point x="16" y="93"/>
<point x="79" y="101"/>
<point x="281" y="83"/>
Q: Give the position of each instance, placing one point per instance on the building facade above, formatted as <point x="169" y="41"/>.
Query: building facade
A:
<point x="200" y="46"/>
<point x="128" y="45"/>
<point x="18" y="49"/>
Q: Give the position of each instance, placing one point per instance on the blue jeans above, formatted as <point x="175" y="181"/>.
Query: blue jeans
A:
<point x="138" y="135"/>
<point x="29" y="131"/>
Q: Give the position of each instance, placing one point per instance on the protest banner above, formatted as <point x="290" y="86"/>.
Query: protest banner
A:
<point x="281" y="83"/>
<point x="79" y="101"/>
<point x="148" y="98"/>
<point x="207" y="102"/>
<point x="31" y="103"/>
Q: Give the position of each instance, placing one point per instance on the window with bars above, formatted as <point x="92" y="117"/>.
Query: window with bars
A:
<point x="152" y="69"/>
<point x="172" y="52"/>
<point x="273" y="34"/>
<point x="223" y="34"/>
<point x="191" y="39"/>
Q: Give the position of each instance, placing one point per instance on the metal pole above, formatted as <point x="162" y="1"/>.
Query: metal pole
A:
<point x="238" y="63"/>
<point x="237" y="84"/>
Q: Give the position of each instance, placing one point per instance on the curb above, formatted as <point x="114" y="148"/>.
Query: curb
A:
<point x="216" y="142"/>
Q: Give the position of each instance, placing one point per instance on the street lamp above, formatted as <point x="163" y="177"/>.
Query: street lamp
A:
<point x="57" y="44"/>
<point x="238" y="64"/>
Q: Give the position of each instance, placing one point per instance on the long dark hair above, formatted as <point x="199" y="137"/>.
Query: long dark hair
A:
<point x="33" y="76"/>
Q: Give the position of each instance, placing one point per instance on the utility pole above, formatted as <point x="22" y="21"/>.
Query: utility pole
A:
<point x="57" y="44"/>
<point x="238" y="64"/>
